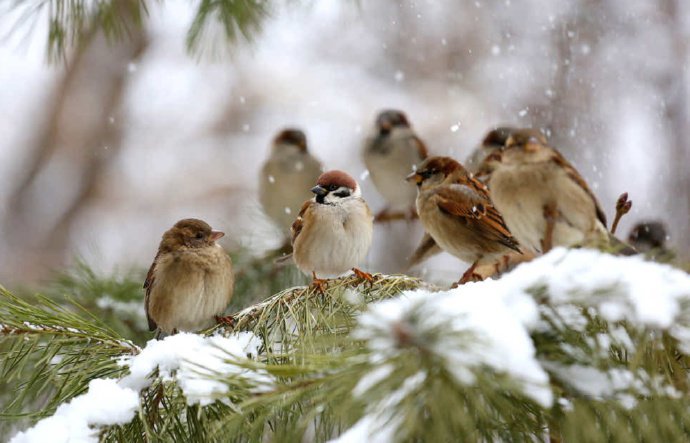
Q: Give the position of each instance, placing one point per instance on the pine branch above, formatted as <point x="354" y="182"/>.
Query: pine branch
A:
<point x="235" y="18"/>
<point x="50" y="353"/>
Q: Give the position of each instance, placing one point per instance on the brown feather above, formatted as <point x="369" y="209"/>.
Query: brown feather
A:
<point x="148" y="286"/>
<point x="476" y="210"/>
<point x="298" y="224"/>
<point x="421" y="148"/>
<point x="577" y="178"/>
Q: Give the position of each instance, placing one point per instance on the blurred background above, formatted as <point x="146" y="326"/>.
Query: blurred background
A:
<point x="104" y="150"/>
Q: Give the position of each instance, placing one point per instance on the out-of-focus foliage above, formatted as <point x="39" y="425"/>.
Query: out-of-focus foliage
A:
<point x="71" y="21"/>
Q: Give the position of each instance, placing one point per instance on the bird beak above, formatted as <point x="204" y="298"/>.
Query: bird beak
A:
<point x="215" y="235"/>
<point x="319" y="190"/>
<point x="414" y="177"/>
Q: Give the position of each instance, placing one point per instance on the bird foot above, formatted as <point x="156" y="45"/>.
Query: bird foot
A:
<point x="468" y="276"/>
<point x="623" y="206"/>
<point x="364" y="276"/>
<point x="228" y="320"/>
<point x="319" y="284"/>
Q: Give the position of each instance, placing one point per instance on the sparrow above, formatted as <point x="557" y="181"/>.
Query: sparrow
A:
<point x="457" y="212"/>
<point x="389" y="154"/>
<point x="650" y="238"/>
<point x="493" y="141"/>
<point x="333" y="231"/>
<point x="190" y="282"/>
<point x="286" y="177"/>
<point x="544" y="200"/>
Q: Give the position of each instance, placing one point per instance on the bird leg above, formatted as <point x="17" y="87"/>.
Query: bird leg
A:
<point x="623" y="206"/>
<point x="550" y="214"/>
<point x="468" y="276"/>
<point x="320" y="284"/>
<point x="228" y="320"/>
<point x="364" y="276"/>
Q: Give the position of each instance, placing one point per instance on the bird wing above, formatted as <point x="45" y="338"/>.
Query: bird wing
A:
<point x="298" y="224"/>
<point x="148" y="286"/>
<point x="427" y="248"/>
<point x="575" y="176"/>
<point x="421" y="147"/>
<point x="475" y="209"/>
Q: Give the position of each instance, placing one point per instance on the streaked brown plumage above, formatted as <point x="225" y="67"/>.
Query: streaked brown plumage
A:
<point x="457" y="212"/>
<point x="190" y="282"/>
<point x="533" y="186"/>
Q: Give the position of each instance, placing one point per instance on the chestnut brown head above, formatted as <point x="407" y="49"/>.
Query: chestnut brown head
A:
<point x="291" y="137"/>
<point x="434" y="170"/>
<point x="389" y="119"/>
<point x="335" y="185"/>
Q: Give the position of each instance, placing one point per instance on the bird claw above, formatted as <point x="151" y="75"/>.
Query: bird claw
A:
<point x="364" y="276"/>
<point x="228" y="320"/>
<point x="319" y="284"/>
<point x="468" y="276"/>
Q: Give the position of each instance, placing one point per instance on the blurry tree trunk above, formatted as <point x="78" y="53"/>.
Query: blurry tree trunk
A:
<point x="78" y="141"/>
<point x="675" y="92"/>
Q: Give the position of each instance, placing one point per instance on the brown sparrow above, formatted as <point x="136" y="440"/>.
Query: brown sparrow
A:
<point x="389" y="155"/>
<point x="544" y="200"/>
<point x="457" y="212"/>
<point x="494" y="140"/>
<point x="333" y="231"/>
<point x="190" y="282"/>
<point x="650" y="238"/>
<point x="286" y="177"/>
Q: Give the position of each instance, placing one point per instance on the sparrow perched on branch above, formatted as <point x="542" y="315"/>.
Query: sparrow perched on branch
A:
<point x="333" y="231"/>
<point x="190" y="282"/>
<point x="286" y="177"/>
<point x="457" y="212"/>
<point x="493" y="141"/>
<point x="544" y="200"/>
<point x="390" y="154"/>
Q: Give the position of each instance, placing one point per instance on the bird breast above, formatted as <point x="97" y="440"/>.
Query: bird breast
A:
<point x="521" y="192"/>
<point x="335" y="238"/>
<point x="191" y="287"/>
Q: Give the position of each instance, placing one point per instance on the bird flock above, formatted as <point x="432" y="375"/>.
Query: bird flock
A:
<point x="515" y="198"/>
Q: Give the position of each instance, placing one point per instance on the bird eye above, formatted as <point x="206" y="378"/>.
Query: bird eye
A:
<point x="199" y="235"/>
<point x="333" y="187"/>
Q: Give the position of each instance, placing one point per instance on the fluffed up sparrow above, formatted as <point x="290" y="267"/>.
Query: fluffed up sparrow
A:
<point x="390" y="153"/>
<point x="286" y="177"/>
<point x="333" y="231"/>
<point x="457" y="212"/>
<point x="190" y="282"/>
<point x="544" y="200"/>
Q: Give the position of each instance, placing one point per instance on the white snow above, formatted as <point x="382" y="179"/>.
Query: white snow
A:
<point x="105" y="403"/>
<point x="195" y="362"/>
<point x="488" y="324"/>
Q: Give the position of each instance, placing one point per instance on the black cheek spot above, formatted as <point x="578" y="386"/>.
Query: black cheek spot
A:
<point x="342" y="194"/>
